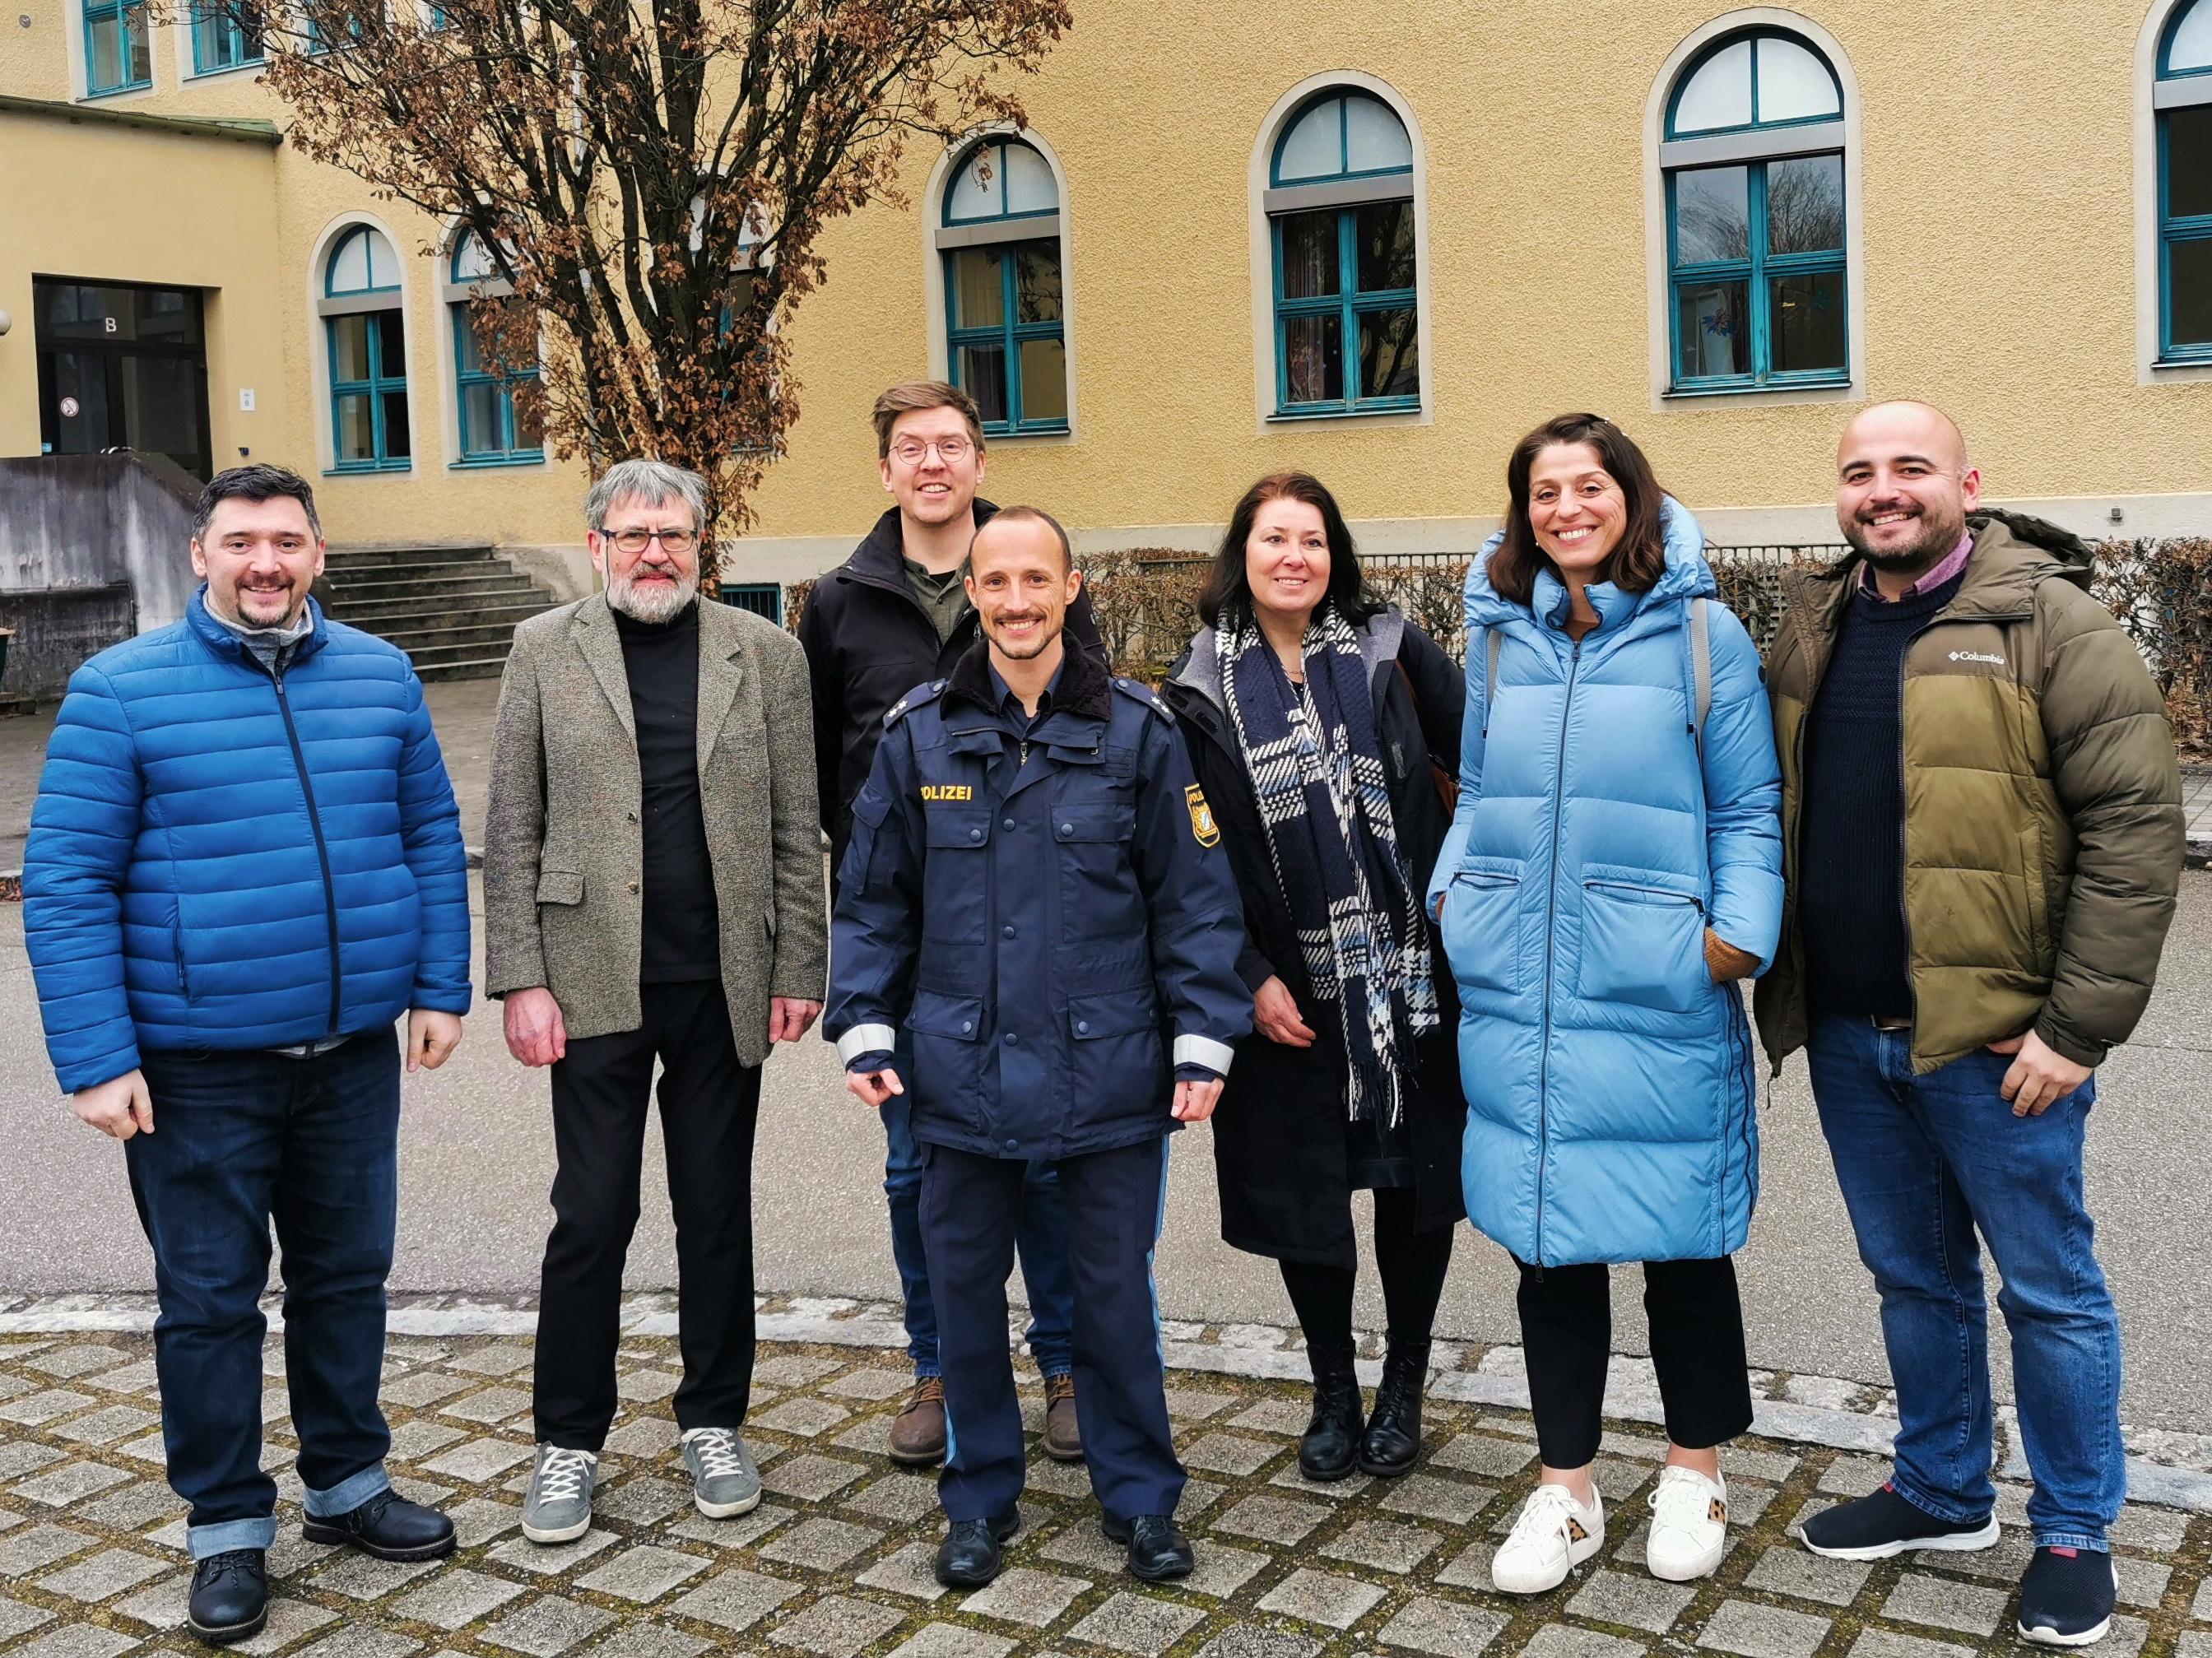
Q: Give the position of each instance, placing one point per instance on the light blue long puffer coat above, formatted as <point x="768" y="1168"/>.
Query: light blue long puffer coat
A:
<point x="1610" y="1083"/>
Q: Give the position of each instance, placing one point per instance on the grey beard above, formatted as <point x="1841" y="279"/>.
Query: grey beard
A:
<point x="653" y="610"/>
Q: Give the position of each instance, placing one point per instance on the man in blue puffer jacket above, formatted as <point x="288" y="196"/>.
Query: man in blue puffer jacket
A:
<point x="245" y="864"/>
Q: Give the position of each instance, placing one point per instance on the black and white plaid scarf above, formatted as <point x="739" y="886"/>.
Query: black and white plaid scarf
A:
<point x="1324" y="799"/>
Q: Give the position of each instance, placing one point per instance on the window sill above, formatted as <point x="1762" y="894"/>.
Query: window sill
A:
<point x="245" y="68"/>
<point x="367" y="468"/>
<point x="1005" y="434"/>
<point x="495" y="463"/>
<point x="1761" y="388"/>
<point x="1398" y="407"/>
<point x="107" y="93"/>
<point x="2183" y="359"/>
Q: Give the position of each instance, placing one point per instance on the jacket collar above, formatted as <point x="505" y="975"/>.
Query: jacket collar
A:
<point x="1688" y="575"/>
<point x="1085" y="690"/>
<point x="2013" y="555"/>
<point x="227" y="645"/>
<point x="880" y="559"/>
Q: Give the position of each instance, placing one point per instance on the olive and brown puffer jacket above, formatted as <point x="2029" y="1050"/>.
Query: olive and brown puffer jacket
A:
<point x="2043" y="824"/>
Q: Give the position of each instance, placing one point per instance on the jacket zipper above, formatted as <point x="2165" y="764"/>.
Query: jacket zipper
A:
<point x="1551" y="922"/>
<point x="322" y="850"/>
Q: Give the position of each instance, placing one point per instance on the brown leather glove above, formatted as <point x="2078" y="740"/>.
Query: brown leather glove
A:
<point x="1725" y="961"/>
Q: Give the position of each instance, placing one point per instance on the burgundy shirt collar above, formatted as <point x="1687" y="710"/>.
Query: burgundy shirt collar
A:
<point x="1953" y="561"/>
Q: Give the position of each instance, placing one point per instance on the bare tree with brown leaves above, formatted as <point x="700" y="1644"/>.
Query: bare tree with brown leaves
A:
<point x="653" y="177"/>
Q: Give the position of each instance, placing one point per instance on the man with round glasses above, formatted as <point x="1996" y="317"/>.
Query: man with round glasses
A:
<point x="895" y="616"/>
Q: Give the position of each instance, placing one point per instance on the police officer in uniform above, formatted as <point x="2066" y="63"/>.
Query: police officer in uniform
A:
<point x="1035" y="889"/>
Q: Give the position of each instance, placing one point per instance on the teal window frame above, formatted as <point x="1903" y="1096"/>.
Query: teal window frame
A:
<point x="1349" y="302"/>
<point x="506" y="451"/>
<point x="380" y="384"/>
<point x="2174" y="230"/>
<point x="220" y="39"/>
<point x="1009" y="334"/>
<point x="135" y="46"/>
<point x="1757" y="271"/>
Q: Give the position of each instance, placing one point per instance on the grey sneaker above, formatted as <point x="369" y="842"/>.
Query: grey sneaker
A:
<point x="724" y="1481"/>
<point x="559" y="1506"/>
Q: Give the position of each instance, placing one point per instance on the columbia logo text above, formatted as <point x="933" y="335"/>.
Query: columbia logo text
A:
<point x="1977" y="656"/>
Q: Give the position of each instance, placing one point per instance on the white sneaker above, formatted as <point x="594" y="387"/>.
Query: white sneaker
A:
<point x="1553" y="1535"/>
<point x="1689" y="1525"/>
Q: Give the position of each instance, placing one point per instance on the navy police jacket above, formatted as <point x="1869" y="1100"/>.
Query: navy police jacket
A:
<point x="1047" y="910"/>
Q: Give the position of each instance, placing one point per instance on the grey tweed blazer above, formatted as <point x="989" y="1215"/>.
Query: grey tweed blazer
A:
<point x="563" y="850"/>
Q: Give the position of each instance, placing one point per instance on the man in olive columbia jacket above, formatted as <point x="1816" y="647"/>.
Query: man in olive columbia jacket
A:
<point x="1983" y="835"/>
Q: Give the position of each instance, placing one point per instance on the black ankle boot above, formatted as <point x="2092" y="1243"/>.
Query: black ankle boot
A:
<point x="1329" y="1448"/>
<point x="1392" y="1443"/>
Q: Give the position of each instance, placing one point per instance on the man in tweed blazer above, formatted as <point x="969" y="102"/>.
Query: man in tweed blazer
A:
<point x="652" y="890"/>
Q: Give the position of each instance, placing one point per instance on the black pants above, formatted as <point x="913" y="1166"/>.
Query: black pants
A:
<point x="1412" y="1266"/>
<point x="708" y="1103"/>
<point x="1697" y="1347"/>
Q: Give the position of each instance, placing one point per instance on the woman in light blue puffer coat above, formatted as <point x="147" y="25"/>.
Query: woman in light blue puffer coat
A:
<point x="1615" y="865"/>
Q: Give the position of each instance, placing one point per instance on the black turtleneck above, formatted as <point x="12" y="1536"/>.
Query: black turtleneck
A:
<point x="682" y="935"/>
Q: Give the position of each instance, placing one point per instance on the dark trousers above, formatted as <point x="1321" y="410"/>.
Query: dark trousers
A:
<point x="240" y="1139"/>
<point x="970" y="1208"/>
<point x="1412" y="1264"/>
<point x="1697" y="1347"/>
<point x="708" y="1103"/>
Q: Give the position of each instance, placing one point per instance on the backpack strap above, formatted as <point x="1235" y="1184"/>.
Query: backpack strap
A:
<point x="1492" y="639"/>
<point x="1701" y="670"/>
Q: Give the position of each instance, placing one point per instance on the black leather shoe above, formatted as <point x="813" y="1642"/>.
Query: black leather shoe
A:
<point x="967" y="1558"/>
<point x="1392" y="1443"/>
<point x="388" y="1526"/>
<point x="1329" y="1448"/>
<point x="1158" y="1551"/>
<point x="230" y="1597"/>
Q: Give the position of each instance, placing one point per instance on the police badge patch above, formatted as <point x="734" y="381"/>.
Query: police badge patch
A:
<point x="1203" y="829"/>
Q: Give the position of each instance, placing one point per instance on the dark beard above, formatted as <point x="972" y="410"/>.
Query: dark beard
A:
<point x="1925" y="551"/>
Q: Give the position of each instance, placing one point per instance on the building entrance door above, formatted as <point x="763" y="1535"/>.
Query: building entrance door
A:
<point x="122" y="367"/>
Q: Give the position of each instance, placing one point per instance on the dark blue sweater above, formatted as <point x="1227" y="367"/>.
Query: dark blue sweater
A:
<point x="1850" y="899"/>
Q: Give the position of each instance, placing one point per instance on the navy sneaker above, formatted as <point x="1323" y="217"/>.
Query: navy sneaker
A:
<point x="1881" y="1523"/>
<point x="2066" y="1599"/>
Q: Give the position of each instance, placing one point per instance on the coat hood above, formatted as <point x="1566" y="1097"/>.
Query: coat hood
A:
<point x="1688" y="576"/>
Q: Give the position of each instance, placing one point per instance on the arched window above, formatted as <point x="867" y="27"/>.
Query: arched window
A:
<point x="1340" y="215"/>
<point x="1006" y="325"/>
<point x="360" y="307"/>
<point x="493" y="432"/>
<point x="1757" y="270"/>
<point x="2183" y="98"/>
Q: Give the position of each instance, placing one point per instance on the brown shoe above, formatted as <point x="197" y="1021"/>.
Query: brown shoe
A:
<point x="917" y="1435"/>
<point x="1063" y="1434"/>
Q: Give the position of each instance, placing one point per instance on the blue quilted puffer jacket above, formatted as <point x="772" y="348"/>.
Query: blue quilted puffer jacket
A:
<point x="1609" y="1081"/>
<point x="219" y="860"/>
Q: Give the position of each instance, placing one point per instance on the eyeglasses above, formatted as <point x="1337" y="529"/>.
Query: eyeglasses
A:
<point x="637" y="541"/>
<point x="951" y="451"/>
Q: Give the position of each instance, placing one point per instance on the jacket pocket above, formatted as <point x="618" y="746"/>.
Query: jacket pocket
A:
<point x="1098" y="896"/>
<point x="1482" y="925"/>
<point x="559" y="886"/>
<point x="957" y="877"/>
<point x="1643" y="942"/>
<point x="948" y="1055"/>
<point x="1119" y="1070"/>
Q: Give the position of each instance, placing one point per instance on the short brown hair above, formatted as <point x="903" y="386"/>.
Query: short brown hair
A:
<point x="907" y="395"/>
<point x="1019" y="515"/>
<point x="1639" y="560"/>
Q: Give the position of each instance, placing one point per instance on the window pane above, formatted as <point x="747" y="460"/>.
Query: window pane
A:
<point x="80" y="378"/>
<point x="2189" y="292"/>
<point x="1315" y="148"/>
<point x="979" y="296"/>
<point x="162" y="406"/>
<point x="396" y="444"/>
<point x="1712" y="216"/>
<point x="1793" y="84"/>
<point x="1310" y="256"/>
<point x="1389" y="355"/>
<point x="391" y="346"/>
<point x="1805" y="205"/>
<point x="1029" y="186"/>
<point x="529" y="423"/>
<point x="974" y="195"/>
<point x="468" y="354"/>
<point x="1385" y="233"/>
<point x="983" y="377"/>
<point x="472" y="261"/>
<point x="1719" y="94"/>
<point x="1713" y="328"/>
<point x="1036" y="282"/>
<point x="2192" y="46"/>
<point x="1805" y="326"/>
<point x="1313" y="357"/>
<point x="2188" y="161"/>
<point x="167" y="316"/>
<point x="1044" y="380"/>
<point x="106" y="70"/>
<point x="140" y="47"/>
<point x="1375" y="139"/>
<point x="349" y="349"/>
<point x="480" y="422"/>
<point x="356" y="440"/>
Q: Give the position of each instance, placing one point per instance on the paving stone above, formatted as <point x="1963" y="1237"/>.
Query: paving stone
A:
<point x="1137" y="1623"/>
<point x="134" y="1507"/>
<point x="1383" y="1544"/>
<point x="1642" y="1447"/>
<point x="792" y="1371"/>
<point x="479" y="1459"/>
<point x="1565" y="1640"/>
<point x="78" y="1640"/>
<point x="804" y="1416"/>
<point x="909" y="1570"/>
<point x="105" y="1427"/>
<point x="1319" y="1597"/>
<point x="421" y="1388"/>
<point x="1292" y="1478"/>
<point x="2195" y="1644"/>
<point x="820" y="1543"/>
<point x="15" y="1617"/>
<point x="1888" y="1643"/>
<point x="1222" y="1570"/>
<point x="490" y="1407"/>
<point x="1456" y="1501"/>
<point x="162" y="1604"/>
<point x="1274" y="1416"/>
<point x="21" y="1456"/>
<point x="1470" y="1569"/>
<point x="1271" y="1519"/>
<point x="363" y="1577"/>
<point x="1197" y="1404"/>
<point x="548" y="1626"/>
<point x="1967" y="1607"/>
<point x="1737" y="1462"/>
<point x="1021" y="1595"/>
<point x="2143" y="1582"/>
<point x="142" y="1377"/>
<point x="1479" y="1454"/>
<point x="1233" y="1454"/>
<point x="2200" y="1608"/>
<point x="1758" y="1631"/>
<point x="648" y="1436"/>
<point x="1853" y="1476"/>
<point x="1256" y="1641"/>
<point x="870" y="1435"/>
<point x="901" y="1497"/>
<point x="1444" y="1627"/>
<point x="62" y="1486"/>
<point x="2142" y="1527"/>
<point x="479" y="1520"/>
<point x="147" y="1447"/>
<point x="2126" y="1639"/>
<point x="812" y="1477"/>
<point x="836" y="1626"/>
<point x="549" y="1558"/>
<point x="647" y="1387"/>
<point x="739" y="1531"/>
<point x="360" y="1641"/>
<point x="644" y="1501"/>
<point x="1809" y="1577"/>
<point x="457" y="1598"/>
<point x="874" y="1385"/>
<point x="650" y="1640"/>
<point x="24" y="1552"/>
<point x="1198" y="1496"/>
<point x="68" y="1362"/>
<point x="1061" y="1479"/>
<point x="109" y="1573"/>
<point x="734" y="1599"/>
<point x="413" y="1440"/>
<point x="1084" y="1547"/>
<point x="500" y="1358"/>
<point x="1639" y="1601"/>
<point x="643" y="1574"/>
<point x="2006" y="1561"/>
<point x="952" y="1641"/>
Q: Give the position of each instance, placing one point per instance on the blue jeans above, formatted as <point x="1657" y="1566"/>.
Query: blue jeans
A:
<point x="1925" y="1163"/>
<point x="239" y="1139"/>
<point x="1040" y="1237"/>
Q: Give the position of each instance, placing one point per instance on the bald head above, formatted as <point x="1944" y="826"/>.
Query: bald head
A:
<point x="1920" y="426"/>
<point x="1903" y="489"/>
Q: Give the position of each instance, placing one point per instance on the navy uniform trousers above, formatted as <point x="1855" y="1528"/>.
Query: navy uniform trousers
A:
<point x="970" y="1207"/>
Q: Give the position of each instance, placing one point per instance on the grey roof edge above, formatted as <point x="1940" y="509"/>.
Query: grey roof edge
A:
<point x="188" y="126"/>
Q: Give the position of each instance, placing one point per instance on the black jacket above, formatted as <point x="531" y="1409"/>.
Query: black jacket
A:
<point x="1278" y="1135"/>
<point x="868" y="643"/>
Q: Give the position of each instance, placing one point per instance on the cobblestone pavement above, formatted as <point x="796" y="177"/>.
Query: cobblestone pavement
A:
<point x="835" y="1562"/>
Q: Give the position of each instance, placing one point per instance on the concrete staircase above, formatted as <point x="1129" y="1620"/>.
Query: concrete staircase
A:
<point x="453" y="609"/>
